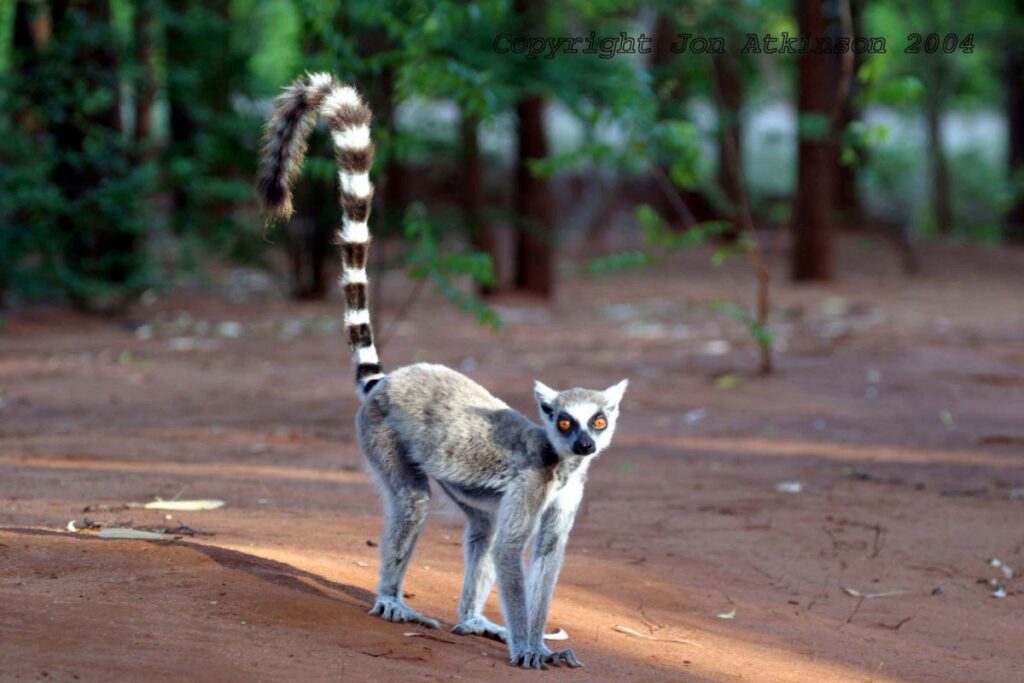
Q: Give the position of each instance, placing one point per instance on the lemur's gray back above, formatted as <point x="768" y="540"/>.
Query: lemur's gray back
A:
<point x="283" y="151"/>
<point x="453" y="428"/>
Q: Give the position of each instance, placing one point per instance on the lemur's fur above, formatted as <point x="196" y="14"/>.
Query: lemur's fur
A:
<point x="514" y="480"/>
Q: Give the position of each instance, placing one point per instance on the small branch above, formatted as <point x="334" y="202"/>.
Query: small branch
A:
<point x="897" y="625"/>
<point x="845" y="74"/>
<point x="757" y="258"/>
<point x="879" y="541"/>
<point x="860" y="601"/>
<point x="403" y="310"/>
<point x="821" y="594"/>
<point x="666" y="186"/>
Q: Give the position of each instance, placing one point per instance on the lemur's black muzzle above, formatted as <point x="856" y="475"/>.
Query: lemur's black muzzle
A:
<point x="584" y="445"/>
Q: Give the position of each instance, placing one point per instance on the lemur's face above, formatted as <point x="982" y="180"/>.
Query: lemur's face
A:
<point x="579" y="421"/>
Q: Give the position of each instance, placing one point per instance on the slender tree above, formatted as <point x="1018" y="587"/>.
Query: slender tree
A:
<point x="473" y="199"/>
<point x="1014" y="79"/>
<point x="209" y="159"/>
<point x="534" y="272"/>
<point x="813" y="204"/>
<point x="534" y="257"/>
<point x="145" y="81"/>
<point x="729" y="87"/>
<point x="934" y="99"/>
<point x="848" y="201"/>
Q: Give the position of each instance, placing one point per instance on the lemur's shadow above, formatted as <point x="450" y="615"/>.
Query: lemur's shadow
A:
<point x="281" y="573"/>
<point x="272" y="571"/>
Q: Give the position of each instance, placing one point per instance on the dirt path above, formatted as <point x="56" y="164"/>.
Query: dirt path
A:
<point x="897" y="407"/>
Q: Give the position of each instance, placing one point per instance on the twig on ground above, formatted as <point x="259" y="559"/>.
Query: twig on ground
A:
<point x="821" y="594"/>
<point x="636" y="634"/>
<point x="856" y="609"/>
<point x="651" y="624"/>
<point x="835" y="541"/>
<point x="428" y="636"/>
<point x="896" y="626"/>
<point x="879" y="541"/>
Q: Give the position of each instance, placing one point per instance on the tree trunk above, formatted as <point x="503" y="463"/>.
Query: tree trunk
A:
<point x="534" y="269"/>
<point x="812" y="211"/>
<point x="395" y="192"/>
<point x="938" y="165"/>
<point x="145" y="83"/>
<point x="534" y="262"/>
<point x="1015" y="119"/>
<point x="473" y="200"/>
<point x="182" y="126"/>
<point x="24" y="52"/>
<point x="730" y="158"/>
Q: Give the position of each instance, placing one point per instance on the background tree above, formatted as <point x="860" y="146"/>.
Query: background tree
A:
<point x="814" y="202"/>
<point x="534" y="271"/>
<point x="851" y="155"/>
<point x="209" y="157"/>
<point x="1014" y="80"/>
<point x="71" y="201"/>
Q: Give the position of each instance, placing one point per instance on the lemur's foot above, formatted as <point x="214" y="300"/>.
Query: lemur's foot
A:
<point x="539" y="658"/>
<point x="480" y="626"/>
<point x="395" y="610"/>
<point x="528" y="659"/>
<point x="567" y="657"/>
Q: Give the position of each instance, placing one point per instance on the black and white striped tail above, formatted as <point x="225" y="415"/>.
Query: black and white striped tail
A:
<point x="284" y="148"/>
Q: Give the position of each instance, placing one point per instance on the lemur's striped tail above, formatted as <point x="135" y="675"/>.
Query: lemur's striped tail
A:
<point x="284" y="148"/>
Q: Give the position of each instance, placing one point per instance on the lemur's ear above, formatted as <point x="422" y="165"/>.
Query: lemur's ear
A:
<point x="613" y="394"/>
<point x="545" y="396"/>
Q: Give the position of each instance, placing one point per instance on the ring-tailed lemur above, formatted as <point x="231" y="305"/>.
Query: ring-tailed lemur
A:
<point x="514" y="480"/>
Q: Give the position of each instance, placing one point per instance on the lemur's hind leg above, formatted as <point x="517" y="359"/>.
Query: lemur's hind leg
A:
<point x="478" y="542"/>
<point x="406" y="494"/>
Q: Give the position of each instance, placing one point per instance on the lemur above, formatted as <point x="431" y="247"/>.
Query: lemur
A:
<point x="515" y="481"/>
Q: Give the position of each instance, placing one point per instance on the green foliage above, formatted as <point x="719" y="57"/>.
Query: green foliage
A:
<point x="211" y="159"/>
<point x="219" y="61"/>
<point x="981" y="194"/>
<point x="761" y="334"/>
<point x="70" y="187"/>
<point x="658" y="241"/>
<point x="426" y="260"/>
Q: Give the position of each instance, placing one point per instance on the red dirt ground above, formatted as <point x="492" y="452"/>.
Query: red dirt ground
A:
<point x="897" y="404"/>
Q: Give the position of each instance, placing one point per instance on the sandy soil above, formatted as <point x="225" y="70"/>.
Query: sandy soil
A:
<point x="897" y="405"/>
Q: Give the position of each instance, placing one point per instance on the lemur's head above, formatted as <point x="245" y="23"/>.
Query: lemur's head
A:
<point x="579" y="421"/>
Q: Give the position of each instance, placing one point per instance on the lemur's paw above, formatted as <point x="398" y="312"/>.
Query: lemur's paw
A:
<point x="479" y="626"/>
<point x="530" y="659"/>
<point x="567" y="657"/>
<point x="395" y="610"/>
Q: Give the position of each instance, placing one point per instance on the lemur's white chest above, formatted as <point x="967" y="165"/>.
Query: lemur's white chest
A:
<point x="566" y="493"/>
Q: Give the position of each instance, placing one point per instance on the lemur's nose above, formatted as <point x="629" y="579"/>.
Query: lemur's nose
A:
<point x="583" y="445"/>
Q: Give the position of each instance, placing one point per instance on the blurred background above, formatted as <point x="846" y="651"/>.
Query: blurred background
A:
<point x="130" y="131"/>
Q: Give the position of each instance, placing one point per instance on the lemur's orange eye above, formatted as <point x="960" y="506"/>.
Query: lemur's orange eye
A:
<point x="600" y="423"/>
<point x="564" y="425"/>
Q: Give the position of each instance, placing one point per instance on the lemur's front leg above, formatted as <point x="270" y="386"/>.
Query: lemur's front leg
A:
<point x="516" y="518"/>
<point x="545" y="564"/>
